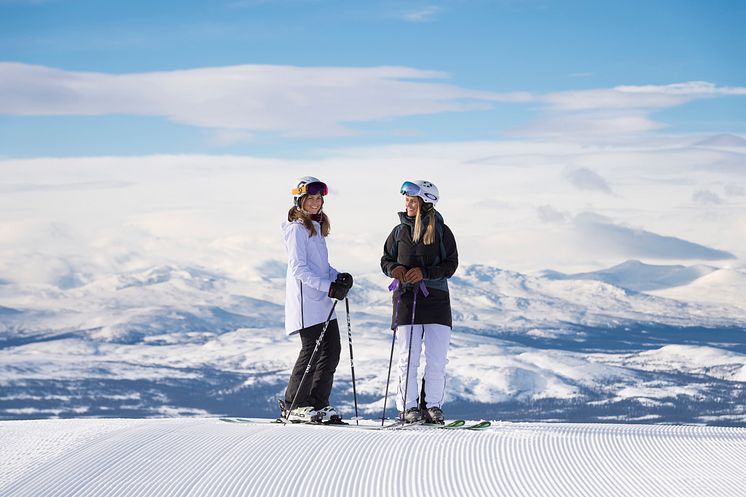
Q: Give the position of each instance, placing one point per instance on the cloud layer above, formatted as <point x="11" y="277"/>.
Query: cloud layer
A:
<point x="237" y="101"/>
<point x="306" y="101"/>
<point x="637" y="97"/>
<point x="617" y="111"/>
<point x="518" y="205"/>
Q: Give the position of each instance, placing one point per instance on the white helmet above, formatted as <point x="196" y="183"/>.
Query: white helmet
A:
<point x="424" y="189"/>
<point x="308" y="185"/>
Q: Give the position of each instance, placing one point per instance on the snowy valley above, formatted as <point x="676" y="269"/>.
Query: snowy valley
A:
<point x="609" y="346"/>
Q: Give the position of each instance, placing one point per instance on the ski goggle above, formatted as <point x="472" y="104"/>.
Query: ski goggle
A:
<point x="410" y="189"/>
<point x="311" y="189"/>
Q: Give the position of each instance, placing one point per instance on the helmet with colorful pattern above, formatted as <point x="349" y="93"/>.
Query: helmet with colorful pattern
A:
<point x="308" y="185"/>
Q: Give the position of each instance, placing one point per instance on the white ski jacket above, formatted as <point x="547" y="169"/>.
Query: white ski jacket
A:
<point x="309" y="277"/>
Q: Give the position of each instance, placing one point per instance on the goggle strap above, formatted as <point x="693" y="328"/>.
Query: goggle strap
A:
<point x="303" y="189"/>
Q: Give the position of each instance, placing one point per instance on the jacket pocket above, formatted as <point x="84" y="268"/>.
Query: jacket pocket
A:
<point x="313" y="294"/>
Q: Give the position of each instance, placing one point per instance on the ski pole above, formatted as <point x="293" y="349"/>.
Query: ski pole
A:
<point x="352" y="363"/>
<point x="310" y="361"/>
<point x="409" y="355"/>
<point x="394" y="284"/>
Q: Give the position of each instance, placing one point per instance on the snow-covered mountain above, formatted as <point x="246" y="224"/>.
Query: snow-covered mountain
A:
<point x="721" y="286"/>
<point x="184" y="457"/>
<point x="641" y="277"/>
<point x="185" y="340"/>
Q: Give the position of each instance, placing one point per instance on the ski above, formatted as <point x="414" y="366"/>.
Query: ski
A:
<point x="458" y="424"/>
<point x="478" y="426"/>
<point x="252" y="421"/>
<point x="453" y="424"/>
<point x="280" y="421"/>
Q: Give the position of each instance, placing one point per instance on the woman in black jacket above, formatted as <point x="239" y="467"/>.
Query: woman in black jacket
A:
<point x="420" y="253"/>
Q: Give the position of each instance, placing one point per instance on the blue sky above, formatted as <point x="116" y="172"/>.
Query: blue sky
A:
<point x="502" y="47"/>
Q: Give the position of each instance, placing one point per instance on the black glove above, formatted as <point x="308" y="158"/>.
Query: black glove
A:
<point x="344" y="279"/>
<point x="337" y="291"/>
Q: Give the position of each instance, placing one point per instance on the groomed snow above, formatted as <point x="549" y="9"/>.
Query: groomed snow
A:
<point x="205" y="456"/>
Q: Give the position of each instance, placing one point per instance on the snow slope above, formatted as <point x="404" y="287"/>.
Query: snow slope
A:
<point x="200" y="456"/>
<point x="696" y="284"/>
<point x="641" y="277"/>
<point x="724" y="286"/>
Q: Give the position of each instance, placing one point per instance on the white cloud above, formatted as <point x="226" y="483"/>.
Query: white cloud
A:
<point x="586" y="100"/>
<point x="691" y="88"/>
<point x="506" y="201"/>
<point x="592" y="125"/>
<point x="307" y="101"/>
<point x="425" y="14"/>
<point x="621" y="110"/>
<point x="636" y="97"/>
<point x="48" y="187"/>
<point x="225" y="137"/>
<point x="550" y="215"/>
<point x="585" y="179"/>
<point x="735" y="190"/>
<point x="706" y="197"/>
<point x="240" y="101"/>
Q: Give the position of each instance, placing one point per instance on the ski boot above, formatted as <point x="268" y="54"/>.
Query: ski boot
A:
<point x="328" y="415"/>
<point x="433" y="415"/>
<point x="411" y="415"/>
<point x="305" y="414"/>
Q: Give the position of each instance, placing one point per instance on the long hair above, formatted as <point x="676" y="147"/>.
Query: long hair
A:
<point x="429" y="237"/>
<point x="297" y="213"/>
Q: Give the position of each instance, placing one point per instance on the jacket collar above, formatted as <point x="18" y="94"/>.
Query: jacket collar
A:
<point x="409" y="221"/>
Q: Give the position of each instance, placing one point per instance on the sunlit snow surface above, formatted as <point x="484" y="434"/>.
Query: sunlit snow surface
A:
<point x="197" y="456"/>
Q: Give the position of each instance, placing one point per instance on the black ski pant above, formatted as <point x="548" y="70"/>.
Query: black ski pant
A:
<point x="317" y="386"/>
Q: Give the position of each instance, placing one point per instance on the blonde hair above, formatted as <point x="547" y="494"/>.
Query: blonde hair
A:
<point x="429" y="237"/>
<point x="296" y="213"/>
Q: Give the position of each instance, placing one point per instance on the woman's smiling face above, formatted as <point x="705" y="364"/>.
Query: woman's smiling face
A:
<point x="411" y="204"/>
<point x="313" y="203"/>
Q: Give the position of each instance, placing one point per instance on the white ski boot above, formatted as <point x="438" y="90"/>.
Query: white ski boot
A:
<point x="329" y="415"/>
<point x="305" y="414"/>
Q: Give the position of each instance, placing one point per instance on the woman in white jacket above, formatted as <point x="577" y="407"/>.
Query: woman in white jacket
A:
<point x="310" y="287"/>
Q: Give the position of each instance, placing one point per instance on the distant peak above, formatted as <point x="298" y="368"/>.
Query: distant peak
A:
<point x="639" y="276"/>
<point x="631" y="263"/>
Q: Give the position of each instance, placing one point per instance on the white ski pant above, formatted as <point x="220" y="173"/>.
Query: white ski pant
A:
<point x="436" y="338"/>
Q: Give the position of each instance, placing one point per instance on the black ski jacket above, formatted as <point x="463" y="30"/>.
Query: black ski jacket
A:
<point x="438" y="262"/>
